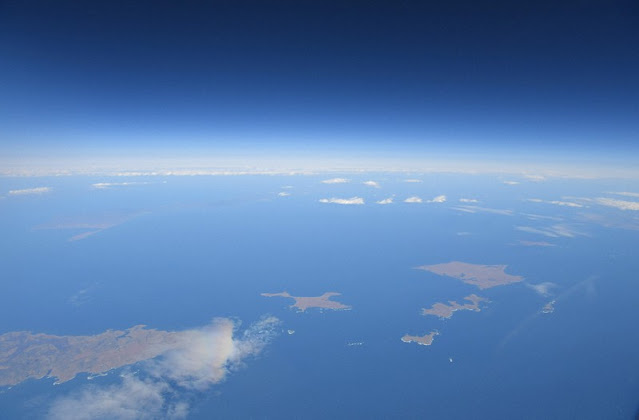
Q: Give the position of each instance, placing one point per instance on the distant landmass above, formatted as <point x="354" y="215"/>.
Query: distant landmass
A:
<point x="536" y="243"/>
<point x="482" y="276"/>
<point x="24" y="355"/>
<point x="424" y="340"/>
<point x="304" y="303"/>
<point x="444" y="311"/>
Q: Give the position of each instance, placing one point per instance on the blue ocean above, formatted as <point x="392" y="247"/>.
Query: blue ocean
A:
<point x="175" y="252"/>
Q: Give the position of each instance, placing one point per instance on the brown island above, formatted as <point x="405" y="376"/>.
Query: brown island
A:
<point x="24" y="355"/>
<point x="303" y="303"/>
<point x="444" y="311"/>
<point x="424" y="340"/>
<point x="482" y="276"/>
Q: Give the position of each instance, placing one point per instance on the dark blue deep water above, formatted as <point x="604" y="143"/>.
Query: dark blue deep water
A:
<point x="183" y="250"/>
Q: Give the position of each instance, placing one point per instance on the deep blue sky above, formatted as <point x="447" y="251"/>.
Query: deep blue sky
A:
<point x="406" y="74"/>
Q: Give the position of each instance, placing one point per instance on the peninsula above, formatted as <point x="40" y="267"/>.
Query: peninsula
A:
<point x="303" y="303"/>
<point x="482" y="276"/>
<point x="444" y="311"/>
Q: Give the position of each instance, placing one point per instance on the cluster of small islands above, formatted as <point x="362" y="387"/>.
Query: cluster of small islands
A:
<point x="24" y="355"/>
<point x="481" y="276"/>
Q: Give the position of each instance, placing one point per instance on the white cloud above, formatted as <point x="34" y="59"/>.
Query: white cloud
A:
<point x="283" y="194"/>
<point x="30" y="191"/>
<point x="106" y="185"/>
<point x="371" y="184"/>
<point x="565" y="203"/>
<point x="542" y="288"/>
<point x="336" y="181"/>
<point x="511" y="182"/>
<point x="619" y="204"/>
<point x="535" y="178"/>
<point x="287" y="187"/>
<point x="438" y="199"/>
<point x="413" y="199"/>
<point x="573" y="198"/>
<point x="388" y="200"/>
<point x="345" y="201"/>
<point x="193" y="365"/>
<point x="626" y="194"/>
<point x="468" y="200"/>
<point x="200" y="358"/>
<point x="413" y="180"/>
<point x="133" y="398"/>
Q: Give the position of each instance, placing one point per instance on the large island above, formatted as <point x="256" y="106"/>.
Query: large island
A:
<point x="482" y="276"/>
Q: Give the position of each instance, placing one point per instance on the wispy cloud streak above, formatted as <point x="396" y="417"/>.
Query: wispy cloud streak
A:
<point x="619" y="204"/>
<point x="477" y="209"/>
<point x="30" y="191"/>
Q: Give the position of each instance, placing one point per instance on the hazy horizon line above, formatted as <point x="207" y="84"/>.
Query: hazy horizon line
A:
<point x="274" y="165"/>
